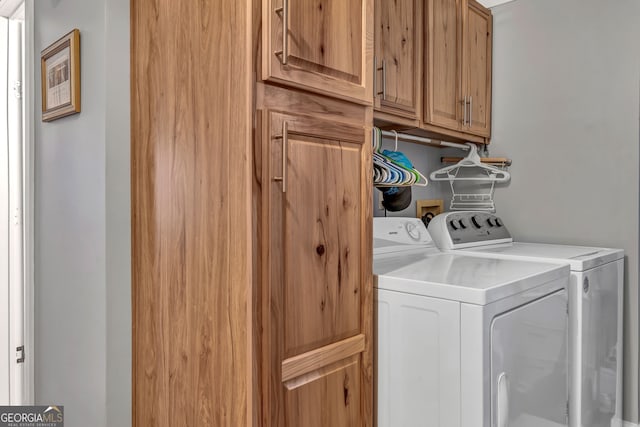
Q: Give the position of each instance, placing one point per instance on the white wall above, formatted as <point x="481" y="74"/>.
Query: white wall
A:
<point x="82" y="247"/>
<point x="566" y="102"/>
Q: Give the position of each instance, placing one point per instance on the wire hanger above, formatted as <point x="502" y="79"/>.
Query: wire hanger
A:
<point x="472" y="160"/>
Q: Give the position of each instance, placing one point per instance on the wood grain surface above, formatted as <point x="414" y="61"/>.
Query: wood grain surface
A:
<point x="316" y="271"/>
<point x="191" y="229"/>
<point x="398" y="42"/>
<point x="477" y="66"/>
<point x="330" y="46"/>
<point x="443" y="68"/>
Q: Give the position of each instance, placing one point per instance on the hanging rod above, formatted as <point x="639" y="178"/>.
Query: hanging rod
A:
<point x="413" y="138"/>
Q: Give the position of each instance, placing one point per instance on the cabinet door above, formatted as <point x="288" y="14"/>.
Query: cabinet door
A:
<point x="398" y="69"/>
<point x="443" y="69"/>
<point x="325" y="46"/>
<point x="316" y="279"/>
<point x="477" y="68"/>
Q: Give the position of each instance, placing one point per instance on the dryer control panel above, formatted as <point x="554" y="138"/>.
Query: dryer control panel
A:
<point x="465" y="229"/>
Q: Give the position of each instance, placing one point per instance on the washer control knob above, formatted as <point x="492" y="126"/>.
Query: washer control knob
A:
<point x="462" y="224"/>
<point x="476" y="223"/>
<point x="452" y="223"/>
<point x="490" y="222"/>
<point x="498" y="222"/>
<point x="585" y="285"/>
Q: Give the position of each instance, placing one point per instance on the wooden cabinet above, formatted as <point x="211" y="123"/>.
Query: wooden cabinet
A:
<point x="443" y="68"/>
<point x="252" y="288"/>
<point x="476" y="66"/>
<point x="324" y="46"/>
<point x="315" y="262"/>
<point x="457" y="65"/>
<point x="398" y="58"/>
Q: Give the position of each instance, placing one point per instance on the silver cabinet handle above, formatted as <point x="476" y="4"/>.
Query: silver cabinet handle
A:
<point x="384" y="79"/>
<point x="470" y="111"/>
<point x="284" y="12"/>
<point x="464" y="111"/>
<point x="285" y="143"/>
<point x="375" y="71"/>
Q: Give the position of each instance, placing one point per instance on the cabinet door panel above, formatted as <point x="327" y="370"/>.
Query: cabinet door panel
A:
<point x="477" y="68"/>
<point x="337" y="387"/>
<point x="443" y="98"/>
<point x="321" y="250"/>
<point x="328" y="46"/>
<point x="398" y="39"/>
<point x="316" y="271"/>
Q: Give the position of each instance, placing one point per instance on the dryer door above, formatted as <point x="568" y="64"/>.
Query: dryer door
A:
<point x="529" y="382"/>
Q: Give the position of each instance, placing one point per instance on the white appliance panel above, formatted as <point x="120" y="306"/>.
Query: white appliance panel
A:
<point x="417" y="361"/>
<point x="580" y="258"/>
<point x="596" y="346"/>
<point x="475" y="280"/>
<point x="595" y="308"/>
<point x="529" y="363"/>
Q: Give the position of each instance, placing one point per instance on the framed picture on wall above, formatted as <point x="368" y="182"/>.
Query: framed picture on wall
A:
<point x="60" y="67"/>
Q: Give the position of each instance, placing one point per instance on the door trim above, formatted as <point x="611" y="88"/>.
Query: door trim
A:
<point x="28" y="203"/>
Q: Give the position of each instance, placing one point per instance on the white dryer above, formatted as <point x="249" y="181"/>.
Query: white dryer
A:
<point x="466" y="341"/>
<point x="595" y="306"/>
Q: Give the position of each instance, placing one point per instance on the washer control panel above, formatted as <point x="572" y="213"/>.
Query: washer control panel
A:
<point x="465" y="229"/>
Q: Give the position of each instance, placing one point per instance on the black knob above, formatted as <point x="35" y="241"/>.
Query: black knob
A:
<point x="491" y="224"/>
<point x="453" y="225"/>
<point x="462" y="224"/>
<point x="475" y="222"/>
<point x="498" y="222"/>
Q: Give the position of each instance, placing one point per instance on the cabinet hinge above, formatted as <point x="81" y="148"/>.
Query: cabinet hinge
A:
<point x="20" y="354"/>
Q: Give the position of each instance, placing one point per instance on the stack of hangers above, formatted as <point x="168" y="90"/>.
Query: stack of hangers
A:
<point x="392" y="168"/>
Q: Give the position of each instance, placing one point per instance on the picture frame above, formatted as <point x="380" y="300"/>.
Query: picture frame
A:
<point x="433" y="207"/>
<point x="60" y="70"/>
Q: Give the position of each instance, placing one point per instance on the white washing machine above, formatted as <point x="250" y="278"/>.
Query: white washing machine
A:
<point x="595" y="306"/>
<point x="466" y="341"/>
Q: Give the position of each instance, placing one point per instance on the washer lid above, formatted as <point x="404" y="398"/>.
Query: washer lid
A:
<point x="475" y="280"/>
<point x="580" y="258"/>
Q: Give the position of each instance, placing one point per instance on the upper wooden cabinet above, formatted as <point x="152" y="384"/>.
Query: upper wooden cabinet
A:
<point x="397" y="59"/>
<point x="315" y="258"/>
<point x="457" y="65"/>
<point x="476" y="63"/>
<point x="442" y="65"/>
<point x="325" y="46"/>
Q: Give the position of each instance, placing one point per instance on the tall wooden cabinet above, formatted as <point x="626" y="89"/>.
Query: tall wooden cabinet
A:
<point x="398" y="59"/>
<point x="312" y="205"/>
<point x="191" y="120"/>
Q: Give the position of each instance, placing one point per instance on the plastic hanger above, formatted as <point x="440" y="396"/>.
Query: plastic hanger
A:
<point x="472" y="160"/>
<point x="389" y="172"/>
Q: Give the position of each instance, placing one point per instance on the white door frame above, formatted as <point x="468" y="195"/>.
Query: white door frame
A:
<point x="15" y="113"/>
<point x="21" y="197"/>
<point x="28" y="170"/>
